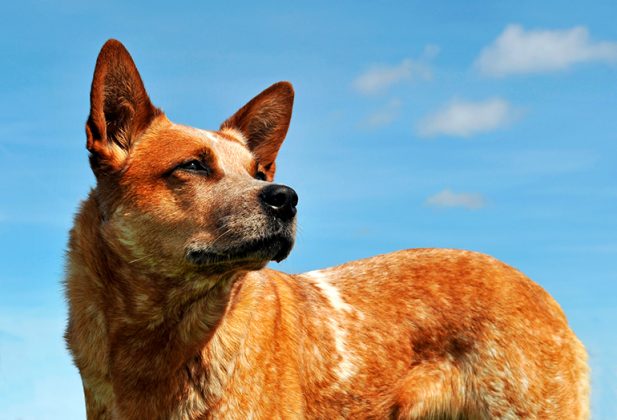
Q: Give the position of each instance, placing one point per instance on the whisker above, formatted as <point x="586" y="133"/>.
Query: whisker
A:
<point x="139" y="259"/>
<point x="227" y="231"/>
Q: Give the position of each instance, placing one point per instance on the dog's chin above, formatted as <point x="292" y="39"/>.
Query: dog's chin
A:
<point x="249" y="255"/>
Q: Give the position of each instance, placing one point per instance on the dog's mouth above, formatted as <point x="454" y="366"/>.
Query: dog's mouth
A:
<point x="254" y="251"/>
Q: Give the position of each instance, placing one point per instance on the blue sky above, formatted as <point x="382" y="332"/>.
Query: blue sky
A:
<point x="489" y="126"/>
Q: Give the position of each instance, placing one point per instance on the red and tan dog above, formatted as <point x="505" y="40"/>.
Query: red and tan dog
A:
<point x="173" y="315"/>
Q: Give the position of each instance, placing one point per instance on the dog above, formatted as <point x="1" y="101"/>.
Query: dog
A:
<point x="173" y="315"/>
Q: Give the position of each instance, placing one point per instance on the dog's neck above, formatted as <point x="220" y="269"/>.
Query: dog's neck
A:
<point x="173" y="317"/>
<point x="149" y="299"/>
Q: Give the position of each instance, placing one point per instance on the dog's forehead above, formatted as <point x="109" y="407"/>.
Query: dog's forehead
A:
<point x="211" y="137"/>
<point x="177" y="141"/>
<point x="225" y="141"/>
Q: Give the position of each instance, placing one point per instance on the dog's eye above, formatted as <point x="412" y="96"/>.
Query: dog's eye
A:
<point x="193" y="166"/>
<point x="260" y="176"/>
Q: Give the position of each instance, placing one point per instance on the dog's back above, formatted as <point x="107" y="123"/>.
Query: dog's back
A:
<point x="452" y="332"/>
<point x="173" y="315"/>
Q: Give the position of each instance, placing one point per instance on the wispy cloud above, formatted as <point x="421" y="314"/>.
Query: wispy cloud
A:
<point x="448" y="198"/>
<point x="380" y="77"/>
<point x="384" y="115"/>
<point x="463" y="119"/>
<point x="517" y="51"/>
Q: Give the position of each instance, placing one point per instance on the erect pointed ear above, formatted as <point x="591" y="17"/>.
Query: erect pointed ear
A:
<point x="264" y="122"/>
<point x="119" y="108"/>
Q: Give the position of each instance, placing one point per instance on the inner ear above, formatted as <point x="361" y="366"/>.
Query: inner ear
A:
<point x="264" y="122"/>
<point x="120" y="108"/>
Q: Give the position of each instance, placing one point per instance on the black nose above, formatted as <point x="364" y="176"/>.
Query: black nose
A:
<point x="280" y="201"/>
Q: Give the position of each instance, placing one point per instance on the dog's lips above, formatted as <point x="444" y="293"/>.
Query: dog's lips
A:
<point x="272" y="248"/>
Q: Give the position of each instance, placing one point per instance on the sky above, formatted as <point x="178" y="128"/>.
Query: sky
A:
<point x="489" y="126"/>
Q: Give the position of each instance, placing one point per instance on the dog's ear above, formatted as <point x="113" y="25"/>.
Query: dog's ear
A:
<point x="120" y="108"/>
<point x="264" y="122"/>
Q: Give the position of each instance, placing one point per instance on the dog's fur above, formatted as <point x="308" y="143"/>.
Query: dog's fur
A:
<point x="173" y="315"/>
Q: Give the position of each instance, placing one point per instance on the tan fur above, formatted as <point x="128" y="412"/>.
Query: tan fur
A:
<point x="425" y="333"/>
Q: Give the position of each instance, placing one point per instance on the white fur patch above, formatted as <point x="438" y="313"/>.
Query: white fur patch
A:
<point x="214" y="139"/>
<point x="210" y="136"/>
<point x="237" y="134"/>
<point x="346" y="367"/>
<point x="329" y="291"/>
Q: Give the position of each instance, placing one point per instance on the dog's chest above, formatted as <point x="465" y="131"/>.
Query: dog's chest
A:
<point x="240" y="384"/>
<point x="283" y="363"/>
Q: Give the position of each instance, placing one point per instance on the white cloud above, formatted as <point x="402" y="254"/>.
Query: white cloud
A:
<point x="463" y="119"/>
<point x="517" y="51"/>
<point x="383" y="116"/>
<point x="447" y="198"/>
<point x="380" y="77"/>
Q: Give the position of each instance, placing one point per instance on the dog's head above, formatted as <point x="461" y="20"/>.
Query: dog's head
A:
<point x="183" y="198"/>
